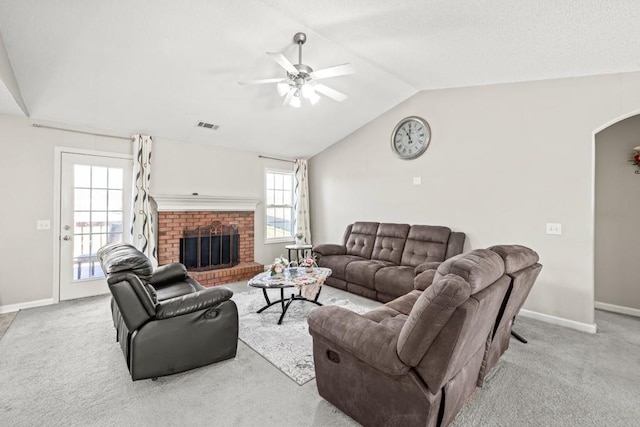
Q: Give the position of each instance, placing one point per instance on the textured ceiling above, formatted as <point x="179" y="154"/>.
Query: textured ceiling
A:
<point x="159" y="67"/>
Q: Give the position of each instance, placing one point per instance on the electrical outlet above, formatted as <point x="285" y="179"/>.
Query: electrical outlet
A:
<point x="43" y="224"/>
<point x="554" y="228"/>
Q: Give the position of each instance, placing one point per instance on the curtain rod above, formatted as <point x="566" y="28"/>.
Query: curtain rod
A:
<point x="36" y="125"/>
<point x="275" y="158"/>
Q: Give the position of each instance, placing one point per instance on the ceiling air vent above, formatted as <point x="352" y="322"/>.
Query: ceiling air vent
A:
<point x="208" y="125"/>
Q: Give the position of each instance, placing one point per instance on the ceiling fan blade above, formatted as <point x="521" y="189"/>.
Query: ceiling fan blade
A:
<point x="284" y="62"/>
<point x="338" y="70"/>
<point x="260" y="82"/>
<point x="329" y="92"/>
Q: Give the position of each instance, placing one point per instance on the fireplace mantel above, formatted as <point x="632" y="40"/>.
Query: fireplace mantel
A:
<point x="169" y="203"/>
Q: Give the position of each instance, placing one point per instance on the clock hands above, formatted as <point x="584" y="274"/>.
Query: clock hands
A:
<point x="408" y="132"/>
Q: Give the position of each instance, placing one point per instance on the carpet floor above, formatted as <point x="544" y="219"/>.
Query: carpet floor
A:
<point x="60" y="366"/>
<point x="287" y="346"/>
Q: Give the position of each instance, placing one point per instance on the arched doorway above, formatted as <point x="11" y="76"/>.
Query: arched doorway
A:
<point x="617" y="217"/>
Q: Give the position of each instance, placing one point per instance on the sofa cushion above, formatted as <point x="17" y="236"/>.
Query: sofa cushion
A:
<point x="515" y="257"/>
<point x="121" y="257"/>
<point x="387" y="317"/>
<point x="480" y="267"/>
<point x="361" y="240"/>
<point x="429" y="314"/>
<point x="456" y="244"/>
<point x="425" y="243"/>
<point x="338" y="264"/>
<point x="168" y="273"/>
<point x="394" y="280"/>
<point x="389" y="243"/>
<point x="363" y="272"/>
<point x="405" y="303"/>
<point x="176" y="289"/>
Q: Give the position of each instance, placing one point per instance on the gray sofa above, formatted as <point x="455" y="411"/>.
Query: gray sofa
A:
<point x="417" y="360"/>
<point x="381" y="260"/>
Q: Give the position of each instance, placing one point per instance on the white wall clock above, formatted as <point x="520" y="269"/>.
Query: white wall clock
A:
<point x="410" y="138"/>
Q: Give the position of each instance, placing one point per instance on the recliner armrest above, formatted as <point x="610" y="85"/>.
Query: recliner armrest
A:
<point x="192" y="302"/>
<point x="168" y="273"/>
<point x="365" y="339"/>
<point x="327" y="249"/>
<point x="432" y="265"/>
<point x="423" y="280"/>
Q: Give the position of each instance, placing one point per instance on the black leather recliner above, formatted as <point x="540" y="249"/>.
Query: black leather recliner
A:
<point x="165" y="321"/>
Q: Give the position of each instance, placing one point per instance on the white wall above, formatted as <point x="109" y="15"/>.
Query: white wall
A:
<point x="503" y="161"/>
<point x="27" y="183"/>
<point x="183" y="169"/>
<point x="26" y="191"/>
<point x="617" y="249"/>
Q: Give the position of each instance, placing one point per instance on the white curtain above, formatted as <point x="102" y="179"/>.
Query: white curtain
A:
<point x="302" y="200"/>
<point x="143" y="234"/>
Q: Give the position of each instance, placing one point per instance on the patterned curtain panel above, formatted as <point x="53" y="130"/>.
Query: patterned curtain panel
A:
<point x="142" y="224"/>
<point x="302" y="200"/>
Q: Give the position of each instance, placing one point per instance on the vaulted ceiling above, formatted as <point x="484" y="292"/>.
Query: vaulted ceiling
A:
<point x="159" y="67"/>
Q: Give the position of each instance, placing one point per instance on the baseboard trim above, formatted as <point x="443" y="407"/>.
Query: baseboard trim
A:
<point x="10" y="308"/>
<point x="567" y="323"/>
<point x="617" y="309"/>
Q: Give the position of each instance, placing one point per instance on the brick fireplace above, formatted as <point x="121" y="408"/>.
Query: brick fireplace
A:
<point x="176" y="214"/>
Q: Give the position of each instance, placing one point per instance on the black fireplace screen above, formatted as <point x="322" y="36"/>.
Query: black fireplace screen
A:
<point x="209" y="248"/>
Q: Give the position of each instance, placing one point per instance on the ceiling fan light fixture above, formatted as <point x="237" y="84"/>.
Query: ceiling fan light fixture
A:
<point x="307" y="91"/>
<point x="283" y="88"/>
<point x="295" y="101"/>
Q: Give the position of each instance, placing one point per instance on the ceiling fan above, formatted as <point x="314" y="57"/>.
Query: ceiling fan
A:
<point x="301" y="81"/>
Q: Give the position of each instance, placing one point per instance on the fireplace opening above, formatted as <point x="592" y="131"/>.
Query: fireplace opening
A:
<point x="211" y="247"/>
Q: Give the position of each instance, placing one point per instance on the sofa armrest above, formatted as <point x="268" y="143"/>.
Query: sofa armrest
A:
<point x="168" y="273"/>
<point x="426" y="266"/>
<point x="423" y="280"/>
<point x="189" y="303"/>
<point x="330" y="249"/>
<point x="374" y="344"/>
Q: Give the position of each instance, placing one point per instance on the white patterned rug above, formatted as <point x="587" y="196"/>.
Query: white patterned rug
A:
<point x="288" y="346"/>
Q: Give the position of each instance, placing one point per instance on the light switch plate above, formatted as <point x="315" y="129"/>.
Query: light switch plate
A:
<point x="554" y="228"/>
<point x="43" y="224"/>
<point x="417" y="180"/>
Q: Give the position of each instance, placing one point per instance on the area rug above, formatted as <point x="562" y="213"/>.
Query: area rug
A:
<point x="287" y="346"/>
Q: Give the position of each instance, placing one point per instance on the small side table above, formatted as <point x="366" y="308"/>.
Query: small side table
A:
<point x="300" y="251"/>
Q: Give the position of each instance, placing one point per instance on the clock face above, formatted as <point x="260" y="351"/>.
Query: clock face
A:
<point x="410" y="138"/>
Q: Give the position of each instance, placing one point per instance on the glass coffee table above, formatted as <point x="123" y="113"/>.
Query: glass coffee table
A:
<point x="308" y="283"/>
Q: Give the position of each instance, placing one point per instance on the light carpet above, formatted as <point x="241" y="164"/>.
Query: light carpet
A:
<point x="60" y="366"/>
<point x="288" y="346"/>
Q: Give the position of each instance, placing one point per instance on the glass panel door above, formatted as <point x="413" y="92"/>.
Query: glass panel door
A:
<point x="95" y="204"/>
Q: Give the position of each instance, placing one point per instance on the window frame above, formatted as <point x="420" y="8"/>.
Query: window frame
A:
<point x="289" y="238"/>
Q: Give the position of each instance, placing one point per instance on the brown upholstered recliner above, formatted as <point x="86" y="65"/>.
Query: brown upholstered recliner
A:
<point x="165" y="321"/>
<point x="522" y="267"/>
<point x="381" y="260"/>
<point x="416" y="360"/>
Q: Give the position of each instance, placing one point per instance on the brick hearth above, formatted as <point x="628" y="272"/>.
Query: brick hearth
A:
<point x="171" y="225"/>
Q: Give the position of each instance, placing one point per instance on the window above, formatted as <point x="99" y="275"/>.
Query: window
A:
<point x="279" y="207"/>
<point x="97" y="215"/>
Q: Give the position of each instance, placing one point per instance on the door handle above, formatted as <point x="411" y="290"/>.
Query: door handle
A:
<point x="66" y="237"/>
